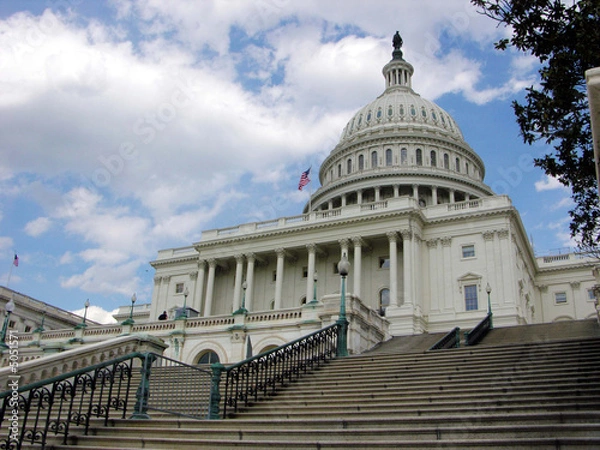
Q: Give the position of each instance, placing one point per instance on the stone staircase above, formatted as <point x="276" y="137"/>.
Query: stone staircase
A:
<point x="540" y="394"/>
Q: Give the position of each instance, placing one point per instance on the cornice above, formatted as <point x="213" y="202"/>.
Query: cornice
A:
<point x="175" y="260"/>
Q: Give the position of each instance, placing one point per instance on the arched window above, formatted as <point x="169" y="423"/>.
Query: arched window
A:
<point x="208" y="357"/>
<point x="446" y="161"/>
<point x="433" y="157"/>
<point x="467" y="168"/>
<point x="419" y="157"/>
<point x="388" y="157"/>
<point x="361" y="162"/>
<point x="374" y="159"/>
<point x="457" y="165"/>
<point x="349" y="164"/>
<point x="339" y="170"/>
<point x="403" y="156"/>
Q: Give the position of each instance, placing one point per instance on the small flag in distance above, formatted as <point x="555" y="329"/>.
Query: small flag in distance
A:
<point x="16" y="261"/>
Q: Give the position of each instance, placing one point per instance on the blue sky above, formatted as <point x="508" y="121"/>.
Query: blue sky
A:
<point x="129" y="126"/>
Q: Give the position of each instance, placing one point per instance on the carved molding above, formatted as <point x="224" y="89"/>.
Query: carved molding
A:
<point x="446" y="241"/>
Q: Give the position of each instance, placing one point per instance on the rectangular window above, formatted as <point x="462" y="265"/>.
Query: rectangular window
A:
<point x="471" y="297"/>
<point x="179" y="288"/>
<point x="274" y="279"/>
<point x="305" y="272"/>
<point x="384" y="262"/>
<point x="560" y="297"/>
<point x="27" y="329"/>
<point x="591" y="295"/>
<point x="468" y="251"/>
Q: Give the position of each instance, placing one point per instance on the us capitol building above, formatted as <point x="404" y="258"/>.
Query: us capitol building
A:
<point x="403" y="198"/>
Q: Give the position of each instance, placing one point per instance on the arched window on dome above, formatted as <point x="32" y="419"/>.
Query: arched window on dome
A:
<point x="403" y="156"/>
<point x="467" y="168"/>
<point x="433" y="157"/>
<point x="374" y="159"/>
<point x="457" y="164"/>
<point x="339" y="170"/>
<point x="361" y="162"/>
<point x="349" y="166"/>
<point x="419" y="157"/>
<point x="446" y="161"/>
<point x="388" y="157"/>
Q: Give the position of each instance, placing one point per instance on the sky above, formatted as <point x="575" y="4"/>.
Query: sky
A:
<point x="129" y="126"/>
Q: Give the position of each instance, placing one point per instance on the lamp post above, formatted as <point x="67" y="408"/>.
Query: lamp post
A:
<point x="41" y="327"/>
<point x="488" y="289"/>
<point x="183" y="313"/>
<point x="9" y="308"/>
<point x="243" y="309"/>
<point x="130" y="320"/>
<point x="342" y="344"/>
<point x="86" y="306"/>
<point x="315" y="277"/>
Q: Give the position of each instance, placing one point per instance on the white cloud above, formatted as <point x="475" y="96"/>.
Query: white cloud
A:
<point x="548" y="183"/>
<point x="38" y="226"/>
<point x="97" y="314"/>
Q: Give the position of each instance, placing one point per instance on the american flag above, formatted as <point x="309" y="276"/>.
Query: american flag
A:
<point x="304" y="180"/>
<point x="16" y="261"/>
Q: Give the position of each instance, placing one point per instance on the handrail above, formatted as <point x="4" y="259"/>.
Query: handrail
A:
<point x="450" y="340"/>
<point x="263" y="373"/>
<point x="49" y="406"/>
<point x="474" y="336"/>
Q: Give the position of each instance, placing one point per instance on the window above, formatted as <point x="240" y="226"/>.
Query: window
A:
<point x="433" y="158"/>
<point x="471" y="297"/>
<point x="274" y="277"/>
<point x="349" y="164"/>
<point x="457" y="165"/>
<point x="208" y="357"/>
<point x="468" y="251"/>
<point x="373" y="159"/>
<point x="179" y="288"/>
<point x="446" y="161"/>
<point x="305" y="272"/>
<point x="467" y="168"/>
<point x="419" y="157"/>
<point x="591" y="295"/>
<point x="339" y="170"/>
<point x="388" y="157"/>
<point x="361" y="162"/>
<point x="403" y="156"/>
<point x="27" y="329"/>
<point x="11" y="324"/>
<point x="384" y="262"/>
<point x="560" y="297"/>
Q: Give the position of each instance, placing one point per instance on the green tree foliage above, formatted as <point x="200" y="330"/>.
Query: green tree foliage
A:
<point x="565" y="37"/>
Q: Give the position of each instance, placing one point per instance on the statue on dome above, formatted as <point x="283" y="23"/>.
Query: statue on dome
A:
<point x="397" y="41"/>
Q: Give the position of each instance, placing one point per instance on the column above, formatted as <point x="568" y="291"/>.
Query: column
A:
<point x="396" y="191"/>
<point x="416" y="192"/>
<point x="330" y="205"/>
<point x="452" y="196"/>
<point x="210" y="287"/>
<point x="164" y="291"/>
<point x="194" y="282"/>
<point x="197" y="303"/>
<point x="467" y="196"/>
<point x="251" y="258"/>
<point x="310" y="271"/>
<point x="359" y="196"/>
<point x="154" y="310"/>
<point x="279" y="277"/>
<point x="434" y="200"/>
<point x="357" y="264"/>
<point x="407" y="251"/>
<point x="237" y="287"/>
<point x="343" y="200"/>
<point x="377" y="193"/>
<point x="393" y="239"/>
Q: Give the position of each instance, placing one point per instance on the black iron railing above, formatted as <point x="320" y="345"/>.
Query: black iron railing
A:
<point x="29" y="415"/>
<point x="263" y="374"/>
<point x="474" y="336"/>
<point x="450" y="340"/>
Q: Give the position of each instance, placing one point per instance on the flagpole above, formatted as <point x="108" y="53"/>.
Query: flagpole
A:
<point x="9" y="274"/>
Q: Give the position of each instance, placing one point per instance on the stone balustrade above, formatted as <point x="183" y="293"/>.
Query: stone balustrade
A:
<point x="30" y="371"/>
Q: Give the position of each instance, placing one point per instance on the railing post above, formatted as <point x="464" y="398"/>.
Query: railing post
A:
<point x="141" y="404"/>
<point x="457" y="337"/>
<point x="215" y="393"/>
